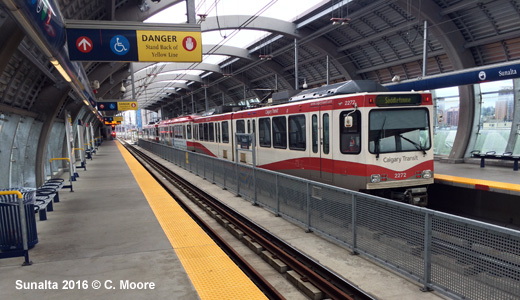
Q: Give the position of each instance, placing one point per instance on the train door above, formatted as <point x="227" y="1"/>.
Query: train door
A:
<point x="321" y="143"/>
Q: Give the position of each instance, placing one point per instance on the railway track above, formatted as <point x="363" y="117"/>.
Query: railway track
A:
<point x="329" y="283"/>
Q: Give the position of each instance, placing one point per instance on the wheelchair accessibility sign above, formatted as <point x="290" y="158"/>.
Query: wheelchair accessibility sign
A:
<point x="119" y="45"/>
<point x="104" y="45"/>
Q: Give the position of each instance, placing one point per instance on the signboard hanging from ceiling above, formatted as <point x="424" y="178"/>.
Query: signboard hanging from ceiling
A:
<point x="133" y="41"/>
<point x="116" y="105"/>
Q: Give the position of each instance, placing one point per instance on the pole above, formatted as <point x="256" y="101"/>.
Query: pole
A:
<point x="296" y="64"/>
<point x="425" y="49"/>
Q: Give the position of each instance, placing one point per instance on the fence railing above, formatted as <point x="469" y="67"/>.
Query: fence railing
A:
<point x="458" y="257"/>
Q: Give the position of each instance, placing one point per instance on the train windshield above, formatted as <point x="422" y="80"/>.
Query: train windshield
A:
<point x="399" y="130"/>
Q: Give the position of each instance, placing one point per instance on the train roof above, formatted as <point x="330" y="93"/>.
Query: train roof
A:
<point x="340" y="88"/>
<point x="182" y="119"/>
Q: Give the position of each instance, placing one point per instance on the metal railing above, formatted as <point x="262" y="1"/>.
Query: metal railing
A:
<point x="455" y="256"/>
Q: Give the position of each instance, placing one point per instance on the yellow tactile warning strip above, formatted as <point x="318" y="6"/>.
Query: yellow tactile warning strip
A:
<point x="478" y="183"/>
<point x="212" y="272"/>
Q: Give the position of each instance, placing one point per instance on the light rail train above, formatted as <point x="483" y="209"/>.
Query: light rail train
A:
<point x="353" y="134"/>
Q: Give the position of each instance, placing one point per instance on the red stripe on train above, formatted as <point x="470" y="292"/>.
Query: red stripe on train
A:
<point x="345" y="167"/>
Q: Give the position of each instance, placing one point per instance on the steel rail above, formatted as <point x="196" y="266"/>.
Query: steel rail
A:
<point x="330" y="283"/>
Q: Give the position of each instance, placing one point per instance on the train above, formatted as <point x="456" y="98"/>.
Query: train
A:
<point x="354" y="134"/>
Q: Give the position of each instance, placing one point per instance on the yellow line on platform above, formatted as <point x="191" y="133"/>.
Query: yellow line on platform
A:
<point x="470" y="181"/>
<point x="213" y="274"/>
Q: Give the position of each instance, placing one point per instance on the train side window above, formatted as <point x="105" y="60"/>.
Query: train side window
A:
<point x="297" y="138"/>
<point x="326" y="144"/>
<point x="201" y="132"/>
<point x="264" y="132"/>
<point x="279" y="132"/>
<point x="314" y="133"/>
<point x="211" y="129"/>
<point x="188" y="131"/>
<point x="350" y="137"/>
<point x="241" y="127"/>
<point x="248" y="126"/>
<point x="218" y="132"/>
<point x="183" y="131"/>
<point x="206" y="132"/>
<point x="225" y="132"/>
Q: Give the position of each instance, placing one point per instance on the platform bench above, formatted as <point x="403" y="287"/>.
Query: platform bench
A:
<point x="492" y="155"/>
<point x="43" y="204"/>
<point x="46" y="195"/>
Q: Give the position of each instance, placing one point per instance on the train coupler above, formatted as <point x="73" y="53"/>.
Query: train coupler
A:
<point x="417" y="196"/>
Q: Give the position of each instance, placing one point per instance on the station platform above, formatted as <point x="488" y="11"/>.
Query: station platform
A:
<point x="109" y="231"/>
<point x="104" y="241"/>
<point x="498" y="179"/>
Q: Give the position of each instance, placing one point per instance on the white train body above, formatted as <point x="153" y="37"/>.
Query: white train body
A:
<point x="377" y="142"/>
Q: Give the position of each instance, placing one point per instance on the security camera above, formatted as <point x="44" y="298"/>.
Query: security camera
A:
<point x="305" y="85"/>
<point x="396" y="78"/>
<point x="123" y="89"/>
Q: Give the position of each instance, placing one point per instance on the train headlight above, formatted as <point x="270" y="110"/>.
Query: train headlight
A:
<point x="375" y="178"/>
<point x="427" y="174"/>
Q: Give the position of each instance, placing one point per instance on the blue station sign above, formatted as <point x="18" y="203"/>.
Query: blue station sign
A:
<point x="102" y="45"/>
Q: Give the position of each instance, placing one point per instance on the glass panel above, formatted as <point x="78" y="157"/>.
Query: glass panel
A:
<point x="399" y="130"/>
<point x="241" y="128"/>
<point x="218" y="132"/>
<point x="496" y="116"/>
<point x="211" y="132"/>
<point x="264" y="134"/>
<point x="325" y="133"/>
<point x="314" y="134"/>
<point x="225" y="132"/>
<point x="350" y="137"/>
<point x="297" y="140"/>
<point x="446" y="119"/>
<point x="279" y="132"/>
<point x="201" y="132"/>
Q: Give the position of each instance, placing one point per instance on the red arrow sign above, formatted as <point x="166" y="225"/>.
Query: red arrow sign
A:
<point x="84" y="44"/>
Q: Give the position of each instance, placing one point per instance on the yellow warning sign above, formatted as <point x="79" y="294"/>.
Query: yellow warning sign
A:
<point x="172" y="46"/>
<point x="121" y="105"/>
<point x="118" y="118"/>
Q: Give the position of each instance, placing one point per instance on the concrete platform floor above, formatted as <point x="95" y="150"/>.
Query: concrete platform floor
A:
<point x="105" y="231"/>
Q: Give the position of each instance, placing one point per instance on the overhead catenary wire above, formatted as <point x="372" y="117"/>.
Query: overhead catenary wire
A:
<point x="356" y="51"/>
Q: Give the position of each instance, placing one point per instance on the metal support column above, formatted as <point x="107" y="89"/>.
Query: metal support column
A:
<point x="328" y="77"/>
<point x="206" y="97"/>
<point x="296" y="75"/>
<point x="425" y="49"/>
<point x="190" y="11"/>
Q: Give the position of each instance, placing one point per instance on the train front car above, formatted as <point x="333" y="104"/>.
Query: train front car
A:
<point x="399" y="162"/>
<point x="371" y="140"/>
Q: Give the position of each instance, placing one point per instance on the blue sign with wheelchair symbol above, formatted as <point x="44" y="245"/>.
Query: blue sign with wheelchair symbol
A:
<point x="119" y="45"/>
<point x="122" y="44"/>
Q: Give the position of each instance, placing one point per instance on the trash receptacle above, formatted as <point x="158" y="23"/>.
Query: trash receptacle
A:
<point x="10" y="221"/>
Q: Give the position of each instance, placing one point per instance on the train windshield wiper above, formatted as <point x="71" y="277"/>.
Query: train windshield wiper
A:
<point x="417" y="145"/>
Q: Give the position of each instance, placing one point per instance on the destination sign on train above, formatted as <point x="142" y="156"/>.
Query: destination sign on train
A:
<point x="133" y="41"/>
<point x="389" y="100"/>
